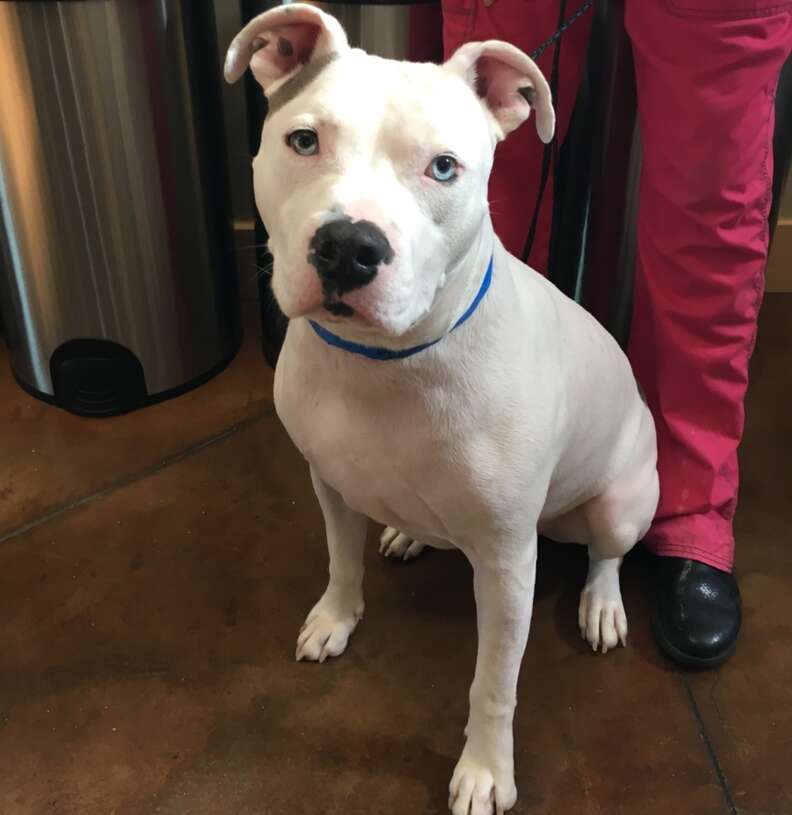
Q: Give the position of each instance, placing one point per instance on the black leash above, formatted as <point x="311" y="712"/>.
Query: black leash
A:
<point x="550" y="153"/>
<point x="561" y="29"/>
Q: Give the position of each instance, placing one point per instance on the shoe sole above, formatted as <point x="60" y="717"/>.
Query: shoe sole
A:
<point x="686" y="660"/>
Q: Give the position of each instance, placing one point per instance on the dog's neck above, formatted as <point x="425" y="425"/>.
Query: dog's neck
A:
<point x="464" y="282"/>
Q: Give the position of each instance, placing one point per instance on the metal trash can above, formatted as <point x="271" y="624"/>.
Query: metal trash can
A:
<point x="118" y="278"/>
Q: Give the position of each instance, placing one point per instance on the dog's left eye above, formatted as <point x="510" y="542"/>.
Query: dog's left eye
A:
<point x="443" y="168"/>
<point x="303" y="142"/>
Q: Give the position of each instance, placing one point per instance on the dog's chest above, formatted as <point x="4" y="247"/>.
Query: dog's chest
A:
<point x="399" y="455"/>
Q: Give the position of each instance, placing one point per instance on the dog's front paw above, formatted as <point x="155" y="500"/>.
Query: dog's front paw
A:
<point x="327" y="628"/>
<point x="479" y="789"/>
<point x="396" y="544"/>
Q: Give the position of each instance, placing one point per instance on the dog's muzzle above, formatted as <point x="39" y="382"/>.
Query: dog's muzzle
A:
<point x="347" y="255"/>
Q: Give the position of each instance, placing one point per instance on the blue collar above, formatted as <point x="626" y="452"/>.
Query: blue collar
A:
<point x="374" y="352"/>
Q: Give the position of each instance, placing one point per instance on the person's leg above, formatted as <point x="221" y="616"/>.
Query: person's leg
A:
<point x="425" y="42"/>
<point x="706" y="79"/>
<point x="514" y="183"/>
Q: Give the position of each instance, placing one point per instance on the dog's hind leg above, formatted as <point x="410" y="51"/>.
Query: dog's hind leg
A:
<point x="396" y="544"/>
<point x="333" y="619"/>
<point x="616" y="520"/>
<point x="601" y="615"/>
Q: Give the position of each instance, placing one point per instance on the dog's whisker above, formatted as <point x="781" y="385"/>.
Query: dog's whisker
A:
<point x="263" y="271"/>
<point x="258" y="273"/>
<point x="250" y="247"/>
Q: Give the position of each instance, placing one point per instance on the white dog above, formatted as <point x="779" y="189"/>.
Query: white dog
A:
<point x="433" y="382"/>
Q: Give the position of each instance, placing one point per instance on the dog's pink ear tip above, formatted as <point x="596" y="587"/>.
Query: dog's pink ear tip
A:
<point x="545" y="127"/>
<point x="545" y="122"/>
<point x="231" y="70"/>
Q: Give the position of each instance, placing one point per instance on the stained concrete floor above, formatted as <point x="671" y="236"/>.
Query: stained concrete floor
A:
<point x="155" y="569"/>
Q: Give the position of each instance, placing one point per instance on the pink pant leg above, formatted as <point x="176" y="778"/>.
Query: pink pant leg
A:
<point x="425" y="43"/>
<point x="706" y="80"/>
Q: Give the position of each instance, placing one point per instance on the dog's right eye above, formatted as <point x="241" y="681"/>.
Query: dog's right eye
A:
<point x="303" y="142"/>
<point x="444" y="168"/>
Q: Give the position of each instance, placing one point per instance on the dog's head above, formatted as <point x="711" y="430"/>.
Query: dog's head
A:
<point x="371" y="177"/>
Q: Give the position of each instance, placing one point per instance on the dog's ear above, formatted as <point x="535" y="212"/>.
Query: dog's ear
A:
<point x="509" y="83"/>
<point x="281" y="41"/>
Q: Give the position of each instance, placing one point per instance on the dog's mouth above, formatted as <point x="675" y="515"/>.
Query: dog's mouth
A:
<point x="361" y="312"/>
<point x="339" y="312"/>
<point x="337" y="307"/>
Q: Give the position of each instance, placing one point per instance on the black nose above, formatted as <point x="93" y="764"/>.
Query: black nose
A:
<point x="347" y="254"/>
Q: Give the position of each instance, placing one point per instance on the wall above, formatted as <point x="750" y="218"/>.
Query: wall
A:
<point x="779" y="267"/>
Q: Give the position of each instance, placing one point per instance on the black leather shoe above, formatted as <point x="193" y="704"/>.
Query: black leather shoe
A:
<point x="696" y="614"/>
